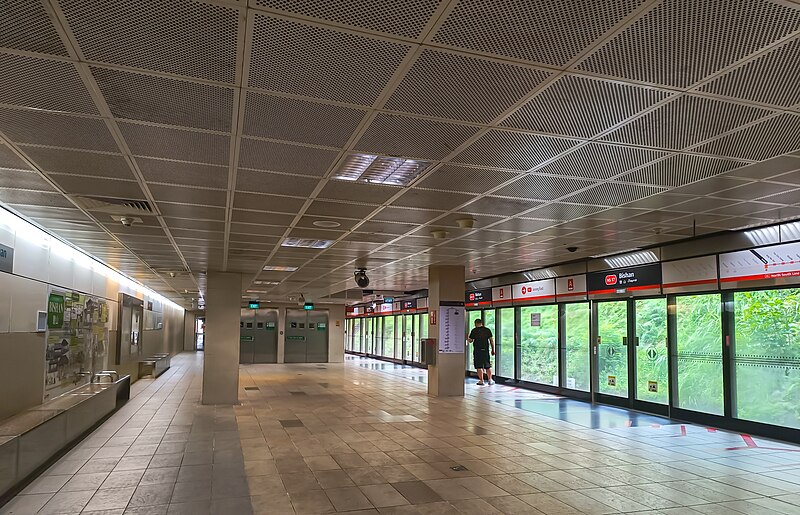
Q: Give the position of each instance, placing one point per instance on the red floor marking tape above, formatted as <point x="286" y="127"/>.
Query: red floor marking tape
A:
<point x="748" y="440"/>
<point x="711" y="430"/>
<point x="683" y="430"/>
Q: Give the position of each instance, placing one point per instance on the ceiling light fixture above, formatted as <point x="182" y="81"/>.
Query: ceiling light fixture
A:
<point x="266" y="283"/>
<point x="271" y="268"/>
<point x="466" y="223"/>
<point x="439" y="234"/>
<point x="396" y="171"/>
<point x="326" y="224"/>
<point x="306" y="243"/>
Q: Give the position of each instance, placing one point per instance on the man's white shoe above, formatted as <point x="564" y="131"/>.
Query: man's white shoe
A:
<point x="479" y="383"/>
<point x="491" y="382"/>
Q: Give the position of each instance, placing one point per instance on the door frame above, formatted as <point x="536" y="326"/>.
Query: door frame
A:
<point x="630" y="343"/>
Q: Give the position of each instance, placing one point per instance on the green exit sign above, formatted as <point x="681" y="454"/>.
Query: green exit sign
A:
<point x="308" y="306"/>
<point x="254" y="305"/>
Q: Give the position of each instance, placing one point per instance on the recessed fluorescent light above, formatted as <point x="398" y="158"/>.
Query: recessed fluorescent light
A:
<point x="397" y="171"/>
<point x="266" y="283"/>
<point x="306" y="243"/>
<point x="637" y="258"/>
<point x="256" y="291"/>
<point x="270" y="268"/>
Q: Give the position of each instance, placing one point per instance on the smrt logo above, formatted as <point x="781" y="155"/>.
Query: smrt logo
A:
<point x="611" y="280"/>
<point x="527" y="289"/>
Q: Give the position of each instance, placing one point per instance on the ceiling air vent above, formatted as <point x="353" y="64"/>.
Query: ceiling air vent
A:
<point x="115" y="206"/>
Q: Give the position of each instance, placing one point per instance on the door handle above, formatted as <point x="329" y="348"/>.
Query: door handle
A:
<point x="624" y="340"/>
<point x="636" y="340"/>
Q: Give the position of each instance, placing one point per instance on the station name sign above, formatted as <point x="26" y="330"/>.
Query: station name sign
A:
<point x="408" y="304"/>
<point x="478" y="298"/>
<point x="6" y="259"/>
<point x="626" y="279"/>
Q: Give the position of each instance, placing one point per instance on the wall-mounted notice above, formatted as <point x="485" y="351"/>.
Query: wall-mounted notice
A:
<point x="696" y="274"/>
<point x="535" y="291"/>
<point x="6" y="259"/>
<point x="502" y="295"/>
<point x="452" y="320"/>
<point x="478" y="298"/>
<point x="77" y="339"/>
<point x="387" y="307"/>
<point x="536" y="319"/>
<point x="777" y="264"/>
<point x="571" y="288"/>
<point x="646" y="277"/>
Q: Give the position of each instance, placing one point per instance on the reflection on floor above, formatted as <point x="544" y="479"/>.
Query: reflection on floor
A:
<point x="585" y="414"/>
<point x="364" y="437"/>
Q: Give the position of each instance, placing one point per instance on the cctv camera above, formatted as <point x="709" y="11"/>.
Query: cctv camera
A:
<point x="361" y="278"/>
<point x="572" y="249"/>
<point x="127" y="222"/>
<point x="301" y="301"/>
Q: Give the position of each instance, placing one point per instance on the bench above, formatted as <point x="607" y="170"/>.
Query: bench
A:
<point x="154" y="366"/>
<point x="31" y="439"/>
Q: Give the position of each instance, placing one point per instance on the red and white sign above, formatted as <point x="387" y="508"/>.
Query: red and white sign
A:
<point x="502" y="295"/>
<point x="387" y="308"/>
<point x="779" y="264"/>
<point x="432" y="318"/>
<point x="538" y="291"/>
<point x="696" y="274"/>
<point x="571" y="288"/>
<point x="611" y="279"/>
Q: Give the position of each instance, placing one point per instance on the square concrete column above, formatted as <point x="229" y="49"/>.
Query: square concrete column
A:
<point x="445" y="285"/>
<point x="221" y="360"/>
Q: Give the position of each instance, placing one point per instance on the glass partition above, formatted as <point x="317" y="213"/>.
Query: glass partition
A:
<point x="388" y="336"/>
<point x="612" y="348"/>
<point x="539" y="344"/>
<point x="576" y="326"/>
<point x="699" y="353"/>
<point x="504" y="343"/>
<point x="652" y="369"/>
<point x="766" y="356"/>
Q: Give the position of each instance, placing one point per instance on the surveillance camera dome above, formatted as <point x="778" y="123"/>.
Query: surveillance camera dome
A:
<point x="125" y="221"/>
<point x="572" y="249"/>
<point x="361" y="278"/>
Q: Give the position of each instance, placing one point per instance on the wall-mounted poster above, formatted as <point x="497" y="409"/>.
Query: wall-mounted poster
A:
<point x="77" y="340"/>
<point x="131" y="326"/>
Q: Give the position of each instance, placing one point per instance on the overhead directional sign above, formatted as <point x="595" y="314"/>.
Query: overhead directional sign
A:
<point x="646" y="277"/>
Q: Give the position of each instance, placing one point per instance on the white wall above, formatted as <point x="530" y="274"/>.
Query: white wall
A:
<point x="42" y="262"/>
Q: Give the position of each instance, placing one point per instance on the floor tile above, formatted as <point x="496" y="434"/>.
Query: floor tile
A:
<point x="348" y="499"/>
<point x="382" y="496"/>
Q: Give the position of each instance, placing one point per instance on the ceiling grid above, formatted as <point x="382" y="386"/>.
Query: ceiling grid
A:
<point x="610" y="124"/>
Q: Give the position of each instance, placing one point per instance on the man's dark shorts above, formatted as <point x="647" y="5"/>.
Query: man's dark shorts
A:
<point x="480" y="358"/>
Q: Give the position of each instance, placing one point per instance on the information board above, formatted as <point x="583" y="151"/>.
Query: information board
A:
<point x="778" y="262"/>
<point x="696" y="274"/>
<point x="538" y="291"/>
<point x="502" y="295"/>
<point x="452" y="320"/>
<point x="6" y="259"/>
<point x="572" y="287"/>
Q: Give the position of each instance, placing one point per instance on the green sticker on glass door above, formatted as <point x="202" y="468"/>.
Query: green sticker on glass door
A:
<point x="296" y="338"/>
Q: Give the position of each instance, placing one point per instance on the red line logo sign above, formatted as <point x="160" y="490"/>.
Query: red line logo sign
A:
<point x="570" y="284"/>
<point x="471" y="296"/>
<point x="611" y="280"/>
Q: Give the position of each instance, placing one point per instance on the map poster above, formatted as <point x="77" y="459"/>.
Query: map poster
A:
<point x="452" y="320"/>
<point x="77" y="340"/>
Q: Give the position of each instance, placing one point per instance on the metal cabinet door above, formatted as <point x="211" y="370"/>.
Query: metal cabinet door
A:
<point x="266" y="350"/>
<point x="317" y="339"/>
<point x="247" y="336"/>
<point x="294" y="347"/>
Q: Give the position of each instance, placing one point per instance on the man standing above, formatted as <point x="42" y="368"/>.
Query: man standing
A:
<point x="481" y="337"/>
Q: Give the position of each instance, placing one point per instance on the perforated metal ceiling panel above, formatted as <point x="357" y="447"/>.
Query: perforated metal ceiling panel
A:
<point x="153" y="35"/>
<point x="676" y="46"/>
<point x="487" y="88"/>
<point x="600" y="124"/>
<point x="582" y="107"/>
<point x="138" y="96"/>
<point x="270" y="116"/>
<point x="413" y="137"/>
<point x="513" y="150"/>
<point x="685" y="121"/>
<point x="526" y="29"/>
<point x="323" y="63"/>
<point x="284" y="157"/>
<point x="397" y="17"/>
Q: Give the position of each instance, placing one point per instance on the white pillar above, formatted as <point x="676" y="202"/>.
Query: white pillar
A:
<point x="446" y="377"/>
<point x="221" y="358"/>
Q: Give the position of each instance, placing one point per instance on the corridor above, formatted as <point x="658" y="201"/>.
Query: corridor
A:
<point x="363" y="437"/>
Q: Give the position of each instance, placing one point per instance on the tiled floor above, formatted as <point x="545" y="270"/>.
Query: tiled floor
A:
<point x="363" y="437"/>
